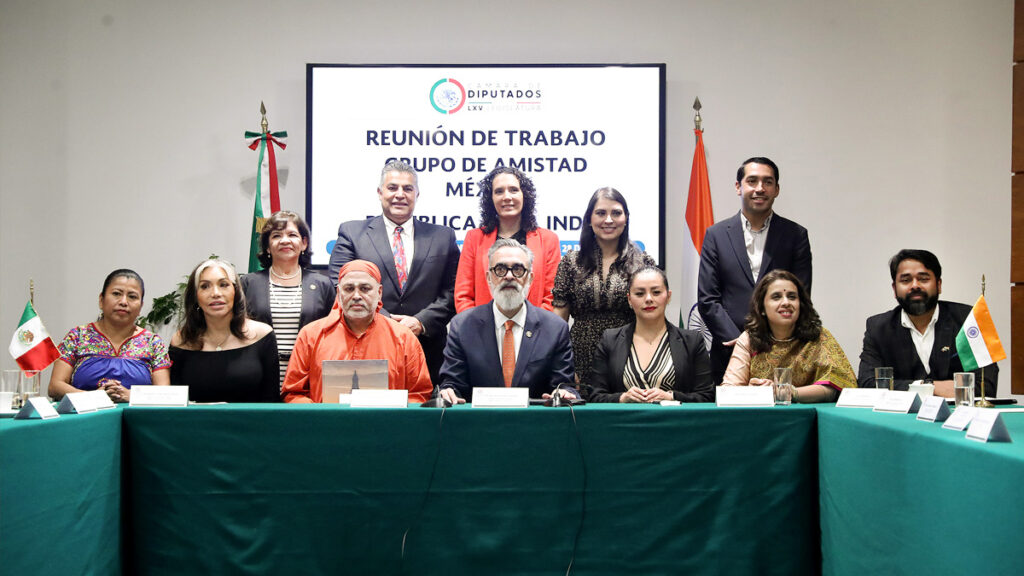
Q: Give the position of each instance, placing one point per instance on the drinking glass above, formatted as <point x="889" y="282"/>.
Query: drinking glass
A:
<point x="883" y="378"/>
<point x="963" y="388"/>
<point x="783" y="386"/>
<point x="9" y="388"/>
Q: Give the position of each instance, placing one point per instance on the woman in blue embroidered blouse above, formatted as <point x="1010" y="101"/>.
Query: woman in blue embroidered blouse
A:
<point x="112" y="353"/>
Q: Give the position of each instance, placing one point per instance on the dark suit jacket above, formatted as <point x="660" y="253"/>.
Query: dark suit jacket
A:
<point x="725" y="284"/>
<point x="689" y="357"/>
<point x="318" y="296"/>
<point x="472" y="358"/>
<point x="888" y="343"/>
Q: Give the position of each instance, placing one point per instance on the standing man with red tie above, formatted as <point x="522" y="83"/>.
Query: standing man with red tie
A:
<point x="418" y="261"/>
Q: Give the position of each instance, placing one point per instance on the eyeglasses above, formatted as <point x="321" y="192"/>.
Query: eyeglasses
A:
<point x="499" y="270"/>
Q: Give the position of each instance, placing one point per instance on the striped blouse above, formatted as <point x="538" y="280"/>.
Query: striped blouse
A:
<point x="660" y="373"/>
<point x="285" y="308"/>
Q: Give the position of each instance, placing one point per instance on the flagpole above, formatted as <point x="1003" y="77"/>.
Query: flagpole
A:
<point x="981" y="402"/>
<point x="32" y="292"/>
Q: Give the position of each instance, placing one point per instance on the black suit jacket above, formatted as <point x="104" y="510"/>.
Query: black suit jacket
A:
<point x="429" y="293"/>
<point x="725" y="283"/>
<point x="888" y="343"/>
<point x="472" y="358"/>
<point x="318" y="296"/>
<point x="689" y="357"/>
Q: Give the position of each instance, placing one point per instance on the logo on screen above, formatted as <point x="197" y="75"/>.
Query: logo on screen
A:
<point x="447" y="96"/>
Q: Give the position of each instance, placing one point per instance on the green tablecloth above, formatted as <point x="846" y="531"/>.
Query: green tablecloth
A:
<point x="328" y="489"/>
<point x="902" y="496"/>
<point x="60" y="495"/>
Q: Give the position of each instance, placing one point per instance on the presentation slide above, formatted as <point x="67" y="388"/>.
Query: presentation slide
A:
<point x="571" y="128"/>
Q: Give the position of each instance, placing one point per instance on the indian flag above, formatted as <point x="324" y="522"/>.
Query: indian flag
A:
<point x="977" y="343"/>
<point x="31" y="345"/>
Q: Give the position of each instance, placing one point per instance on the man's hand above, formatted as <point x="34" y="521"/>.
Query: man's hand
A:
<point x="450" y="395"/>
<point x="409" y="322"/>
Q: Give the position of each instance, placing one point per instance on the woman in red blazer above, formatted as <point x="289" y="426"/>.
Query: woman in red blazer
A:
<point x="507" y="210"/>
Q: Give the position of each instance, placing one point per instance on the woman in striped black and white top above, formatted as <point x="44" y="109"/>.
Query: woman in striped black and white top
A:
<point x="650" y="360"/>
<point x="286" y="294"/>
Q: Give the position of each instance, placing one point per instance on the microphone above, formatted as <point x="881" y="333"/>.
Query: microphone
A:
<point x="436" y="400"/>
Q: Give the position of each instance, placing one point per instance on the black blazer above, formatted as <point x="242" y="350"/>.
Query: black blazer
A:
<point x="888" y="343"/>
<point x="430" y="286"/>
<point x="689" y="357"/>
<point x="472" y="358"/>
<point x="725" y="284"/>
<point x="318" y="295"/>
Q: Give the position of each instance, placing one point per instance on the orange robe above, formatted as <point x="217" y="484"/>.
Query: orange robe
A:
<point x="330" y="339"/>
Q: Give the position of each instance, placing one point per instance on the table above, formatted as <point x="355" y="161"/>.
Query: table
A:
<point x="60" y="495"/>
<point x="902" y="496"/>
<point x="330" y="489"/>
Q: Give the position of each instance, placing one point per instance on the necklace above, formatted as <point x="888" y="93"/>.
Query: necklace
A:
<point x="790" y="339"/>
<point x="222" y="342"/>
<point x="299" y="271"/>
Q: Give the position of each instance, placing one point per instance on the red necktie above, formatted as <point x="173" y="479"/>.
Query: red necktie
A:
<point x="508" y="354"/>
<point x="399" y="250"/>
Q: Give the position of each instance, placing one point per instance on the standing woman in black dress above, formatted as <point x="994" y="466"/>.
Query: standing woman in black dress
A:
<point x="221" y="355"/>
<point x="592" y="282"/>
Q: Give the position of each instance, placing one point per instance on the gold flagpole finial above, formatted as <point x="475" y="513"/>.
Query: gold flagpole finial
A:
<point x="982" y="284"/>
<point x="32" y="291"/>
<point x="696" y="117"/>
<point x="264" y="125"/>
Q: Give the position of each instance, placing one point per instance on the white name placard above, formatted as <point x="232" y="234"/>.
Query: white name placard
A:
<point x="744" y="396"/>
<point x="367" y="398"/>
<point x="899" y="401"/>
<point x="988" y="425"/>
<point x="77" y="403"/>
<point x="860" y="397"/>
<point x="961" y="418"/>
<point x="151" y="395"/>
<point x="487" y="397"/>
<point x="38" y="407"/>
<point x="933" y="409"/>
<point x="100" y="399"/>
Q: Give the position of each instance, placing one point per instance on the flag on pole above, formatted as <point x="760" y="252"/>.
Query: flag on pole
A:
<point x="268" y="199"/>
<point x="31" y="345"/>
<point x="977" y="343"/>
<point x="699" y="216"/>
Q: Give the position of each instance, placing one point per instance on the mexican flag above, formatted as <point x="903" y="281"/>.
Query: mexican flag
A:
<point x="31" y="345"/>
<point x="977" y="343"/>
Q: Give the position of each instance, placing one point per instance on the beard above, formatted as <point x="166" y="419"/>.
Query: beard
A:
<point x="918" y="307"/>
<point x="509" y="296"/>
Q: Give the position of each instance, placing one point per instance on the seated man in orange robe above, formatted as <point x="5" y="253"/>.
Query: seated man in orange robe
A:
<point x="355" y="331"/>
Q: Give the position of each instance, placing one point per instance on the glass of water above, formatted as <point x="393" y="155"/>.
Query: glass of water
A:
<point x="9" y="388"/>
<point x="29" y="386"/>
<point x="963" y="388"/>
<point x="883" y="378"/>
<point x="783" y="386"/>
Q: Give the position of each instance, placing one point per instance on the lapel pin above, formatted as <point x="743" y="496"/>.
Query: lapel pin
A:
<point x="945" y="348"/>
<point x="529" y="334"/>
<point x="312" y="286"/>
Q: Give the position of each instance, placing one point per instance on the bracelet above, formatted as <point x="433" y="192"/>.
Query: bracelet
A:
<point x="796" y="397"/>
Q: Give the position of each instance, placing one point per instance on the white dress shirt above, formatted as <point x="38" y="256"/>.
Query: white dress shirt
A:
<point x="755" y="240"/>
<point x="407" y="239"/>
<point x="923" y="342"/>
<point x="517" y="329"/>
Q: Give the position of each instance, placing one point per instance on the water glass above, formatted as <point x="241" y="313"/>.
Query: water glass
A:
<point x="783" y="386"/>
<point x="963" y="388"/>
<point x="883" y="378"/>
<point x="9" y="388"/>
<point x="29" y="387"/>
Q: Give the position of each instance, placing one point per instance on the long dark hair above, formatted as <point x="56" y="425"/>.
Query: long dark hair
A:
<point x="193" y="323"/>
<point x="279" y="221"/>
<point x="628" y="252"/>
<point x="489" y="216"/>
<point x="808" y="323"/>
